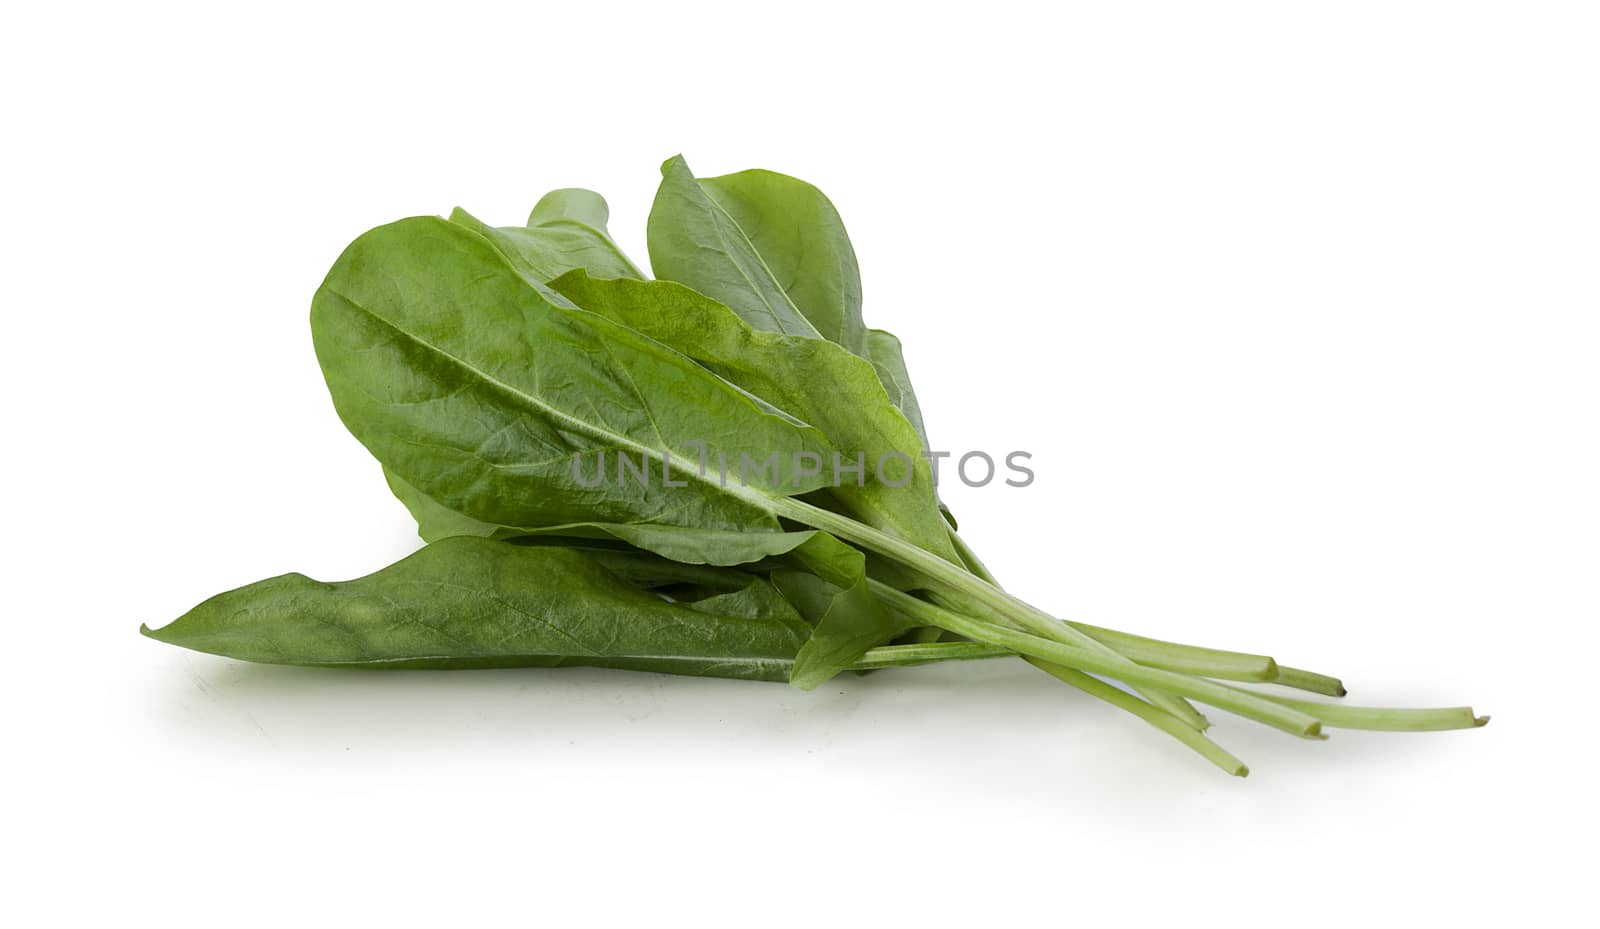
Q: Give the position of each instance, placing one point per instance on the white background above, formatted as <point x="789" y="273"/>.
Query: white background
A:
<point x="1296" y="306"/>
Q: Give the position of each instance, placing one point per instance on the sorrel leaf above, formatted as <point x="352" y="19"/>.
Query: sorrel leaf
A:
<point x="566" y="230"/>
<point x="436" y="521"/>
<point x="469" y="603"/>
<point x="888" y="360"/>
<point x="802" y="241"/>
<point x="693" y="240"/>
<point x="848" y="619"/>
<point x="474" y="388"/>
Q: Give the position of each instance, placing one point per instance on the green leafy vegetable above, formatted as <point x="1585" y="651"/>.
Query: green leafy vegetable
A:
<point x="684" y="475"/>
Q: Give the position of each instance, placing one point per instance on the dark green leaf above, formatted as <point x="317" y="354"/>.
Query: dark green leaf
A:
<point x="474" y="388"/>
<point x="847" y="617"/>
<point x="468" y="602"/>
<point x="436" y="521"/>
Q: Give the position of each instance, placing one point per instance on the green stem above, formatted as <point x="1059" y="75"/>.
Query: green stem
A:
<point x="969" y="557"/>
<point x="1385" y="719"/>
<point x="1182" y="730"/>
<point x="900" y="656"/>
<point x="1309" y="680"/>
<point x="1201" y="662"/>
<point x="958" y="580"/>
<point x="1185" y="659"/>
<point x="1156" y="717"/>
<point x="1221" y="696"/>
<point x="1180" y="709"/>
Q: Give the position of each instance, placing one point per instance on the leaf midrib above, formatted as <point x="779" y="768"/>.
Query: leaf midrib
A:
<point x="745" y="236"/>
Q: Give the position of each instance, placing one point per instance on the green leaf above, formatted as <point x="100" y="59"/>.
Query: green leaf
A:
<point x="848" y="621"/>
<point x="888" y="359"/>
<point x="847" y="617"/>
<point x="566" y="230"/>
<point x="716" y="547"/>
<point x="473" y="603"/>
<point x="572" y="205"/>
<point x="683" y="544"/>
<point x="693" y="240"/>
<point x="884" y="351"/>
<point x="436" y="521"/>
<point x="473" y="387"/>
<point x="648" y="571"/>
<point x="802" y="241"/>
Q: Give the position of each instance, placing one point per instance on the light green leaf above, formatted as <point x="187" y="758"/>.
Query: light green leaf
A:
<point x="693" y="240"/>
<point x="802" y="241"/>
<point x="567" y="230"/>
<point x="888" y="360"/>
